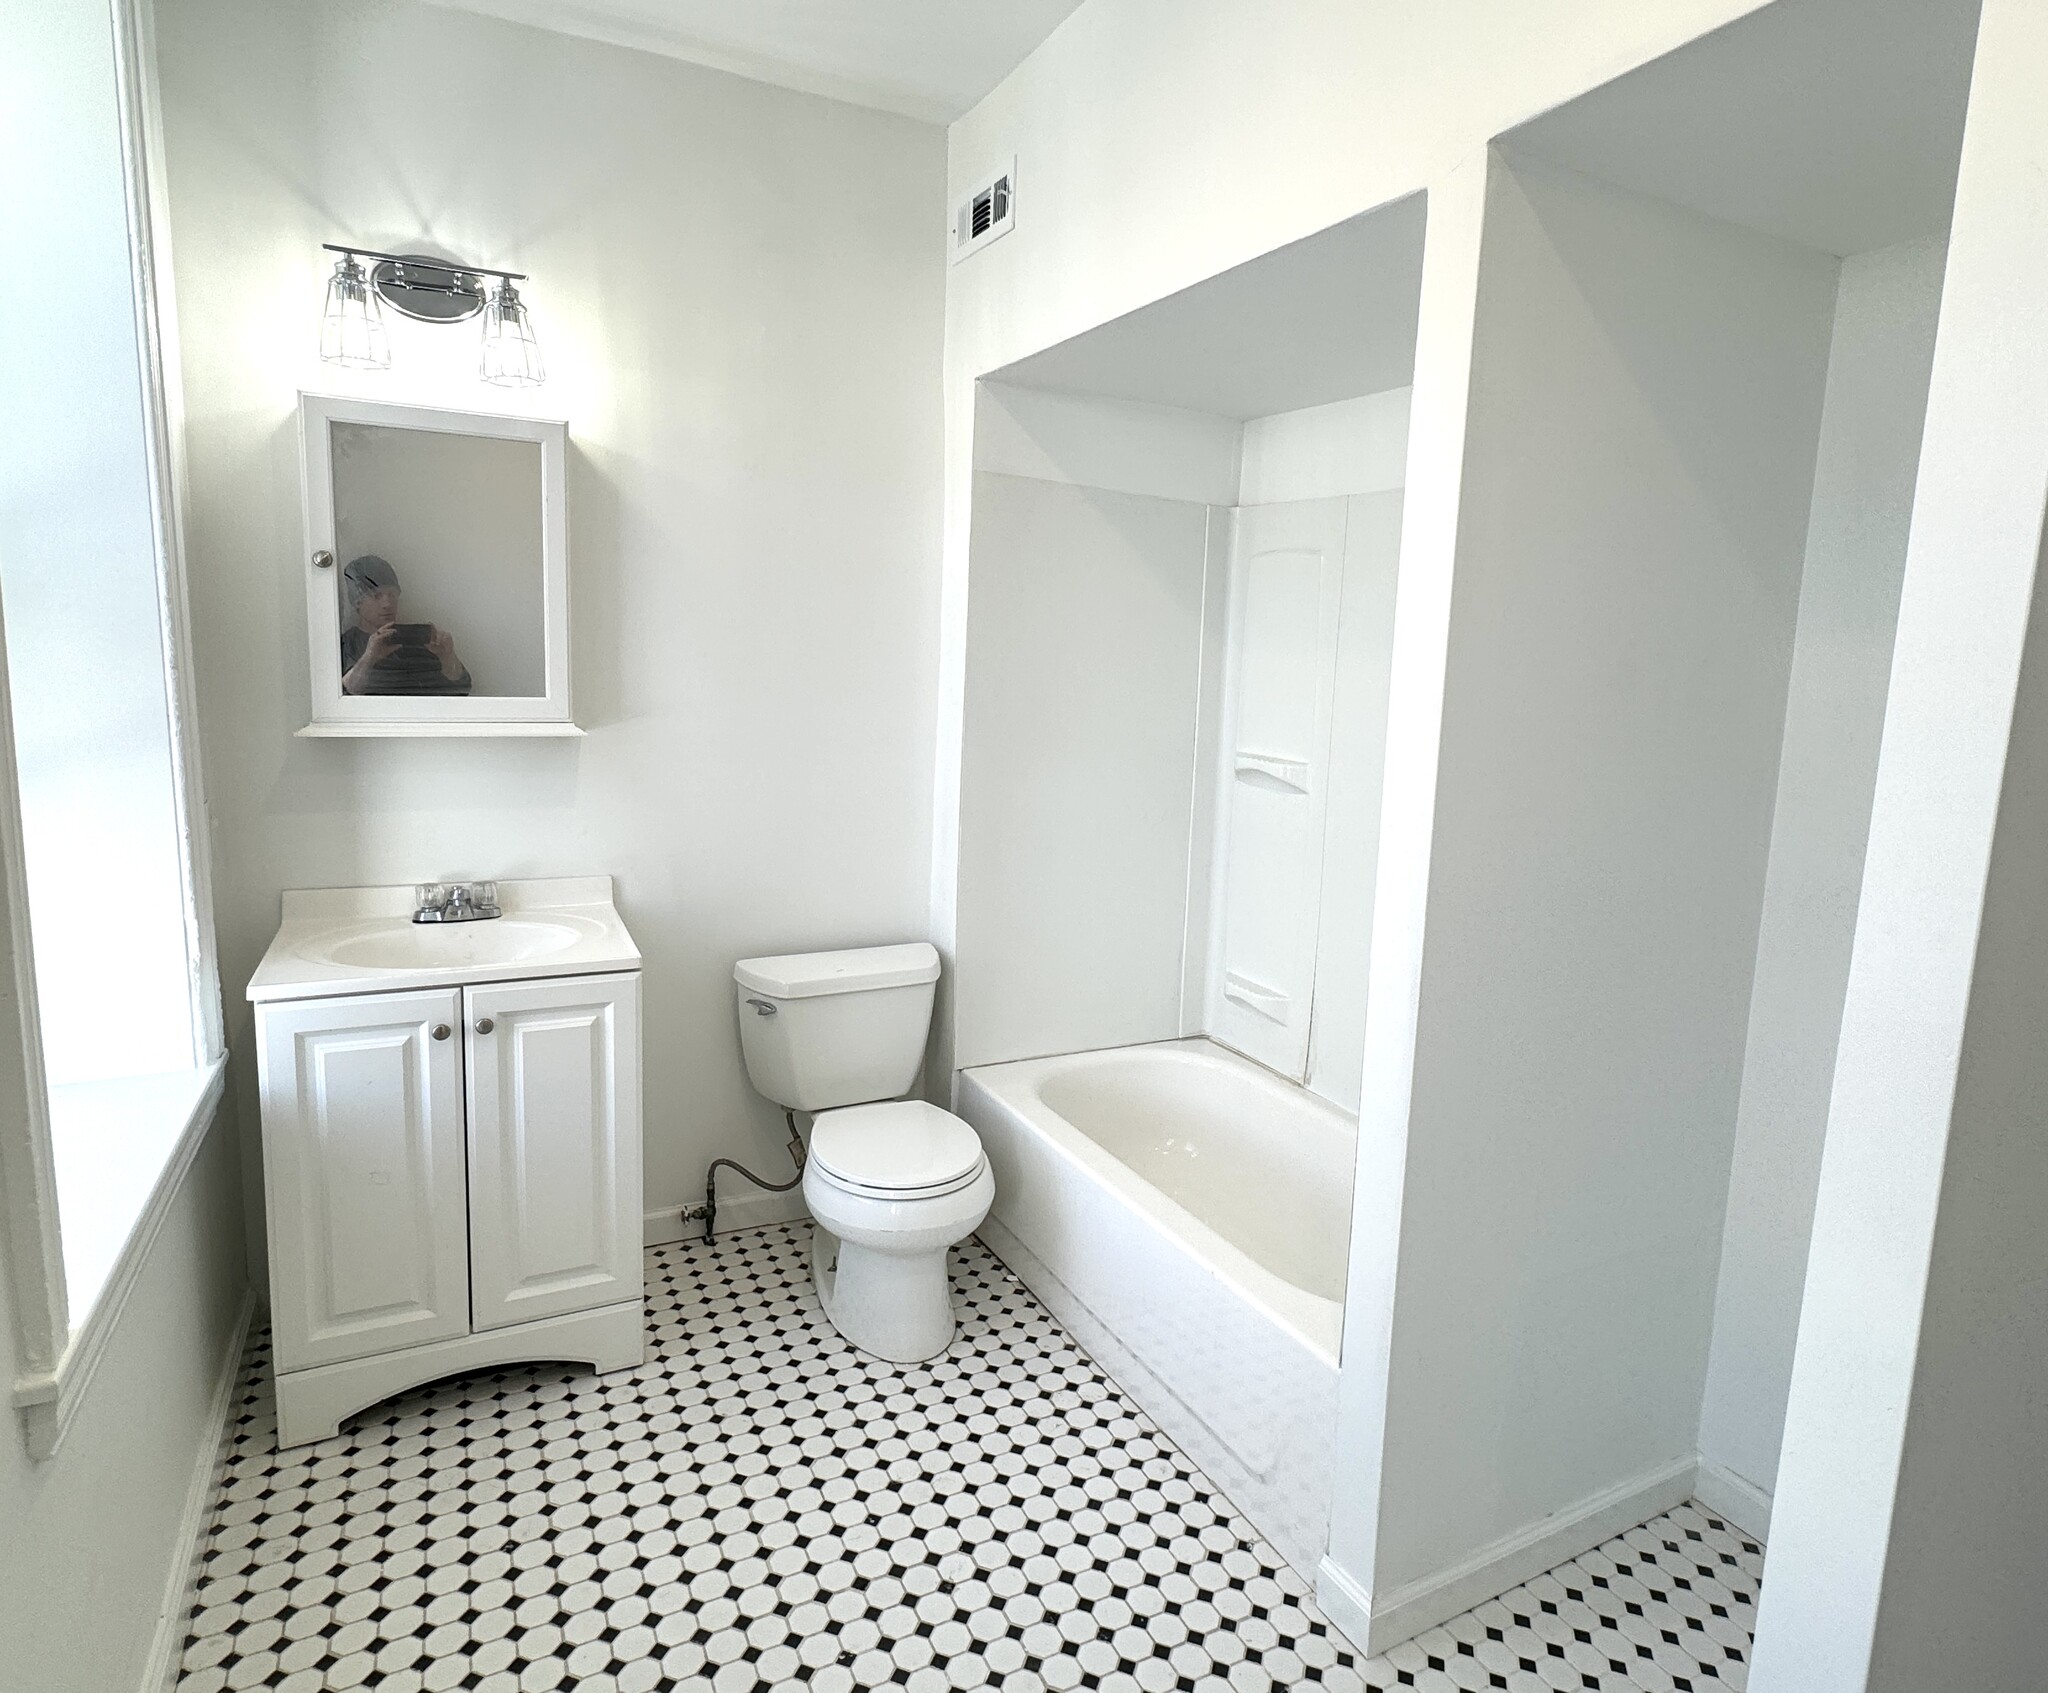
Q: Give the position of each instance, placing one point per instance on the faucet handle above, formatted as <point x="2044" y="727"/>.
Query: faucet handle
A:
<point x="455" y="902"/>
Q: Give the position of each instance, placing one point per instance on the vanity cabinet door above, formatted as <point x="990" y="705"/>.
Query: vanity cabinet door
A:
<point x="363" y="1173"/>
<point x="554" y="1146"/>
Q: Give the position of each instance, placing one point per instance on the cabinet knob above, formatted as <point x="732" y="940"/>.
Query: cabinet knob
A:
<point x="441" y="1031"/>
<point x="484" y="1025"/>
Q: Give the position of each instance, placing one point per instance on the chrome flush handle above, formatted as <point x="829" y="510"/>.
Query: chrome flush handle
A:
<point x="762" y="1008"/>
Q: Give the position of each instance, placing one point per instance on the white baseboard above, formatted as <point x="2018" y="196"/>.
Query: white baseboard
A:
<point x="1345" y="1603"/>
<point x="752" y="1208"/>
<point x="1735" y="1497"/>
<point x="161" y="1673"/>
<point x="1507" y="1562"/>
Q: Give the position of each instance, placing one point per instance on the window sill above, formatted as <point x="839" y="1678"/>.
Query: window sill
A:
<point x="102" y="1134"/>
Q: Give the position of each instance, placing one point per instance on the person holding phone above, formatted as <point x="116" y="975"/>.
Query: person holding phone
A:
<point x="379" y="654"/>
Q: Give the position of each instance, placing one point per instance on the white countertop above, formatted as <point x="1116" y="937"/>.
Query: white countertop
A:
<point x="582" y="926"/>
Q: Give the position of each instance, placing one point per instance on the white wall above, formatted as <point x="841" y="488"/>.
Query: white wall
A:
<point x="78" y="565"/>
<point x="94" y="1539"/>
<point x="1166" y="140"/>
<point x="1637" y="470"/>
<point x="1906" y="1548"/>
<point x="1883" y="345"/>
<point x="748" y="367"/>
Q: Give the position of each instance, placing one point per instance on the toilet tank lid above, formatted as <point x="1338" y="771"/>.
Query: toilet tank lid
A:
<point x="805" y="975"/>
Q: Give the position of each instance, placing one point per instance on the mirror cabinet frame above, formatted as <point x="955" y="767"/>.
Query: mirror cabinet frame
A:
<point x="335" y="713"/>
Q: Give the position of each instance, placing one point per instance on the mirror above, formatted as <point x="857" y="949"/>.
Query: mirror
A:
<point x="437" y="593"/>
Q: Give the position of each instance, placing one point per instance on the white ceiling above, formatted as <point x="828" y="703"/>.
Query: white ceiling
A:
<point x="1327" y="318"/>
<point x="929" y="59"/>
<point x="1834" y="123"/>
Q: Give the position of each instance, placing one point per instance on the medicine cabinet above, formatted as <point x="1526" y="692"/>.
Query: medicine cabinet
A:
<point x="436" y="566"/>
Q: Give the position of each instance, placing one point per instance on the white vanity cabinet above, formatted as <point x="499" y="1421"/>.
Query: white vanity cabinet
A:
<point x="553" y="1096"/>
<point x="452" y="1178"/>
<point x="363" y="1172"/>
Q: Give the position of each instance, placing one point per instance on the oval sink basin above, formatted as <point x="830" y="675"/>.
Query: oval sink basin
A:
<point x="425" y="946"/>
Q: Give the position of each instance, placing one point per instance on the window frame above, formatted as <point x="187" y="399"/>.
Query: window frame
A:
<point x="58" y="1349"/>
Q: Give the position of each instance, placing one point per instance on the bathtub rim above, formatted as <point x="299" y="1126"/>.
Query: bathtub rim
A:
<point x="1309" y="1319"/>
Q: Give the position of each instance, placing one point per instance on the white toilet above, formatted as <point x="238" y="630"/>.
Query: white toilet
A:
<point x="890" y="1182"/>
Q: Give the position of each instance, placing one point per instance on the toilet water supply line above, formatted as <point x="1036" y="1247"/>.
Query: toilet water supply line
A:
<point x="796" y="1154"/>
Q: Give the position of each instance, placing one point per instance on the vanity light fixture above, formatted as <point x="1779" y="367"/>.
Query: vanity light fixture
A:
<point x="427" y="290"/>
<point x="352" y="328"/>
<point x="511" y="354"/>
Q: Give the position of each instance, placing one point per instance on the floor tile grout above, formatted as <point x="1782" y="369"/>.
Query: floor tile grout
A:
<point x="759" y="1505"/>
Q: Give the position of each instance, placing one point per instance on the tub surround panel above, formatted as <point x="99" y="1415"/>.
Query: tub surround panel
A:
<point x="1116" y="445"/>
<point x="1351" y="825"/>
<point x="1347" y="447"/>
<point x="1321" y="917"/>
<point x="1073" y="851"/>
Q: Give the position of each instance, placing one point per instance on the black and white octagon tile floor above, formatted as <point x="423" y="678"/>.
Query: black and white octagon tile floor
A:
<point x="760" y="1506"/>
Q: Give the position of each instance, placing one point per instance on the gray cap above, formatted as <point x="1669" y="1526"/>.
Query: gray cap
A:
<point x="361" y="577"/>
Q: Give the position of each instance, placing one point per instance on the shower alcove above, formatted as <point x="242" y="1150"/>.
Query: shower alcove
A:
<point x="1545" y="867"/>
<point x="1186" y="526"/>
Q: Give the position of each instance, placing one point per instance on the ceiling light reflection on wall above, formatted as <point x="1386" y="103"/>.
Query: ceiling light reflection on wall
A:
<point x="428" y="290"/>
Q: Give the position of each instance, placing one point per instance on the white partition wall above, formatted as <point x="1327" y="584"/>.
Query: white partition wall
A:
<point x="1848" y="610"/>
<point x="1907" y="1550"/>
<point x="1638" y="463"/>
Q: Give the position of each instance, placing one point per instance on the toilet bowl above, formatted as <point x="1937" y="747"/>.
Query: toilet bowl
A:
<point x="891" y="1183"/>
<point x="891" y="1187"/>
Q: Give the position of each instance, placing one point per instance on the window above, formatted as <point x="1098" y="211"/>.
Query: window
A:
<point x="123" y="1050"/>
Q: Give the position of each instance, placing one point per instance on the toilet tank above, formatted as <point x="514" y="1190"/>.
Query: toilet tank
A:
<point x="825" y="1029"/>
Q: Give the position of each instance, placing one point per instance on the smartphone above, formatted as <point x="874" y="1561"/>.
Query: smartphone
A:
<point x="415" y="634"/>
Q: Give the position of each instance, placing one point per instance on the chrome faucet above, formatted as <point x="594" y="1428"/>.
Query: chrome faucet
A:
<point x="456" y="902"/>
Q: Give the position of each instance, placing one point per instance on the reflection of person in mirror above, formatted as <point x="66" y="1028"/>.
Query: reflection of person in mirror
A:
<point x="379" y="654"/>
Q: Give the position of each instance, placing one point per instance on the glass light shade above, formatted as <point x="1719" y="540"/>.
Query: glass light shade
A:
<point x="511" y="355"/>
<point x="352" y="329"/>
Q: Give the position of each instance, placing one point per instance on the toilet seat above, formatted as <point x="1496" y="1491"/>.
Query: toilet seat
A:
<point x="897" y="1149"/>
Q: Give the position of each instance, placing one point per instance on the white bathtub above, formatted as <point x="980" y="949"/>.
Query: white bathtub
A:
<point x="1189" y="1214"/>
